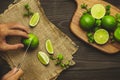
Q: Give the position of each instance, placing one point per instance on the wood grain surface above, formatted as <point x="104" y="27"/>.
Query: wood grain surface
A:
<point x="91" y="64"/>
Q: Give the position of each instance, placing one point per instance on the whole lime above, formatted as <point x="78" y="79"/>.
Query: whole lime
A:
<point x="87" y="22"/>
<point x="117" y="34"/>
<point x="109" y="22"/>
<point x="27" y="41"/>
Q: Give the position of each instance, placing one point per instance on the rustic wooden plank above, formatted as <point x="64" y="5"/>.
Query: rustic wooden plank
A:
<point x="105" y="74"/>
<point x="86" y="54"/>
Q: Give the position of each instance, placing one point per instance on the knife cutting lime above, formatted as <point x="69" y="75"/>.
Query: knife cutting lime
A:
<point x="43" y="58"/>
<point x="49" y="46"/>
<point x="101" y="36"/>
<point x="34" y="43"/>
<point x="98" y="11"/>
<point x="34" y="20"/>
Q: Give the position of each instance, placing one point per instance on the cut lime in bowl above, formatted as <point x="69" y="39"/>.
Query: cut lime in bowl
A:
<point x="49" y="46"/>
<point x="43" y="58"/>
<point x="34" y="20"/>
<point x="101" y="36"/>
<point x="98" y="11"/>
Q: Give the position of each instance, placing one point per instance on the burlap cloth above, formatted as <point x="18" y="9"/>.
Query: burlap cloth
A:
<point x="33" y="69"/>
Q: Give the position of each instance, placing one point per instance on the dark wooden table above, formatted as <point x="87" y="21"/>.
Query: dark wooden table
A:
<point x="91" y="64"/>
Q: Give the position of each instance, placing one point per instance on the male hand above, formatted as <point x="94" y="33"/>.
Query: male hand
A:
<point x="12" y="29"/>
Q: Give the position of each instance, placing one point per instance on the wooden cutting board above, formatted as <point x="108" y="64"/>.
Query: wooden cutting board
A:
<point x="110" y="48"/>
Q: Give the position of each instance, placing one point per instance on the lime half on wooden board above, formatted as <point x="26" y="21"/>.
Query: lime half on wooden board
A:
<point x="101" y="36"/>
<point x="98" y="11"/>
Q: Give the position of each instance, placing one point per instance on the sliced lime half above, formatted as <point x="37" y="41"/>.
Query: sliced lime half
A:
<point x="101" y="36"/>
<point x="43" y="58"/>
<point x="98" y="11"/>
<point x="49" y="46"/>
<point x="34" y="19"/>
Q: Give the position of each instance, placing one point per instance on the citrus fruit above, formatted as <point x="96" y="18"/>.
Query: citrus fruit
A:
<point x="49" y="46"/>
<point x="43" y="58"/>
<point x="98" y="11"/>
<point x="87" y="22"/>
<point x="34" y="20"/>
<point x="109" y="22"/>
<point x="27" y="41"/>
<point x="60" y="57"/>
<point x="117" y="34"/>
<point x="101" y="36"/>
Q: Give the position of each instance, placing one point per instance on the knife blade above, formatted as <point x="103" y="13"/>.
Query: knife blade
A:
<point x="24" y="55"/>
<point x="16" y="1"/>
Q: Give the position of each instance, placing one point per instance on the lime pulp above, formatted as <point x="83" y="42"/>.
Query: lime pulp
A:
<point x="34" y="19"/>
<point x="43" y="58"/>
<point x="101" y="36"/>
<point x="98" y="11"/>
<point x="49" y="46"/>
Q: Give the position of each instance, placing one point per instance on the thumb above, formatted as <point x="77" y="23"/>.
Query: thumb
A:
<point x="18" y="74"/>
<point x="9" y="74"/>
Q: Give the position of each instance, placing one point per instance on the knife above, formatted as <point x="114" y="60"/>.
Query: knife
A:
<point x="24" y="55"/>
<point x="16" y="1"/>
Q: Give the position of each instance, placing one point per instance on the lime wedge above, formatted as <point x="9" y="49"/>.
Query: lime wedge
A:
<point x="98" y="11"/>
<point x="34" y="19"/>
<point x="43" y="58"/>
<point x="49" y="47"/>
<point x="101" y="36"/>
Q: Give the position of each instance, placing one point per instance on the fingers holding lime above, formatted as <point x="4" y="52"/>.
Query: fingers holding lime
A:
<point x="98" y="11"/>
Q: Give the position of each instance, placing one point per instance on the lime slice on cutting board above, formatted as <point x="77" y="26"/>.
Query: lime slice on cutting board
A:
<point x="101" y="36"/>
<point x="43" y="58"/>
<point x="34" y="20"/>
<point x="98" y="11"/>
<point x="49" y="46"/>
